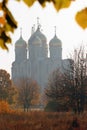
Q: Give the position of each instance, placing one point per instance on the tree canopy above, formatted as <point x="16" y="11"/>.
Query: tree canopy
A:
<point x="28" y="92"/>
<point x="8" y="23"/>
<point x="7" y="91"/>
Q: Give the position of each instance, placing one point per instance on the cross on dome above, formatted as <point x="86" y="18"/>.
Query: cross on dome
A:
<point x="55" y="30"/>
<point x="38" y="24"/>
<point x="20" y="32"/>
<point x="33" y="29"/>
<point x="37" y="21"/>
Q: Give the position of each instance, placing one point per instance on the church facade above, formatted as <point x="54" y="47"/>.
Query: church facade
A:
<point x="32" y="60"/>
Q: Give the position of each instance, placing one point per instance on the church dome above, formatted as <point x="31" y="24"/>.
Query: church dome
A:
<point x="20" y="42"/>
<point x="55" y="41"/>
<point x="38" y="36"/>
<point x="36" y="40"/>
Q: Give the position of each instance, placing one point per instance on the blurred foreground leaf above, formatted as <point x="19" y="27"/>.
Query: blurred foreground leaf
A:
<point x="29" y="2"/>
<point x="7" y="24"/>
<point x="59" y="4"/>
<point x="81" y="18"/>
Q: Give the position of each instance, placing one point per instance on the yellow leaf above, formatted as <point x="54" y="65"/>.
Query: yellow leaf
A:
<point x="0" y="8"/>
<point x="43" y="2"/>
<point x="81" y="18"/>
<point x="5" y="1"/>
<point x="9" y="28"/>
<point x="10" y="19"/>
<point x="2" y="20"/>
<point x="59" y="4"/>
<point x="29" y="2"/>
<point x="8" y="40"/>
<point x="2" y="44"/>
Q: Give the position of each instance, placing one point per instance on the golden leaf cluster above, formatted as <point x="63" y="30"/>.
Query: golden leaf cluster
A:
<point x="58" y="4"/>
<point x="81" y="18"/>
<point x="8" y="23"/>
<point x="4" y="107"/>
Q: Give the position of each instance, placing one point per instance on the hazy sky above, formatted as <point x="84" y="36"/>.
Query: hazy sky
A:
<point x="68" y="31"/>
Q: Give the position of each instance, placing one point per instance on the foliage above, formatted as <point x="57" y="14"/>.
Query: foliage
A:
<point x="54" y="106"/>
<point x="51" y="106"/>
<point x="7" y="91"/>
<point x="55" y="89"/>
<point x="12" y="95"/>
<point x="28" y="92"/>
<point x="8" y="23"/>
<point x="81" y="18"/>
<point x="4" y="107"/>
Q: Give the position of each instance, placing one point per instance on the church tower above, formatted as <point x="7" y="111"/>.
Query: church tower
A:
<point x="37" y="44"/>
<point x="38" y="51"/>
<point x="55" y="47"/>
<point x="20" y="59"/>
<point x="20" y="49"/>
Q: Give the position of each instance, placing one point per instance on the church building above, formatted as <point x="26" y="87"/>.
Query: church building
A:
<point x="32" y="59"/>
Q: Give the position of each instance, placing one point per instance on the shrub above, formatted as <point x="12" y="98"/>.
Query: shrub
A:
<point x="55" y="106"/>
<point x="4" y="107"/>
<point x="51" y="106"/>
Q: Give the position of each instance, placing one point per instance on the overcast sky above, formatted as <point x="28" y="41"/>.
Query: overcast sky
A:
<point x="68" y="31"/>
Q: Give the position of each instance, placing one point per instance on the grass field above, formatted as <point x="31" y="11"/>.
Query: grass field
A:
<point x="39" y="120"/>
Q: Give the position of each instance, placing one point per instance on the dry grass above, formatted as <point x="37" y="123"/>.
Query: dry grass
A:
<point x="39" y="120"/>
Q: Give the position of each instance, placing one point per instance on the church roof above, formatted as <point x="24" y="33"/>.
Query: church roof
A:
<point x="36" y="40"/>
<point x="38" y="35"/>
<point x="20" y="42"/>
<point x="55" y="41"/>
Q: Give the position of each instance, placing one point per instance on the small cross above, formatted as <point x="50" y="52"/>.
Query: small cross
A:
<point x="20" y="32"/>
<point x="37" y="21"/>
<point x="55" y="29"/>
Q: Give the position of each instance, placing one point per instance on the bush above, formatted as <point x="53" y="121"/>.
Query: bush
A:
<point x="56" y="107"/>
<point x="4" y="107"/>
<point x="52" y="106"/>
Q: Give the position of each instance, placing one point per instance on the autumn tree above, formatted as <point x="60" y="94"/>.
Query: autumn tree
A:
<point x="54" y="86"/>
<point x="75" y="80"/>
<point x="7" y="91"/>
<point x="28" y="92"/>
<point x="70" y="86"/>
<point x="8" y="23"/>
<point x="55" y="90"/>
